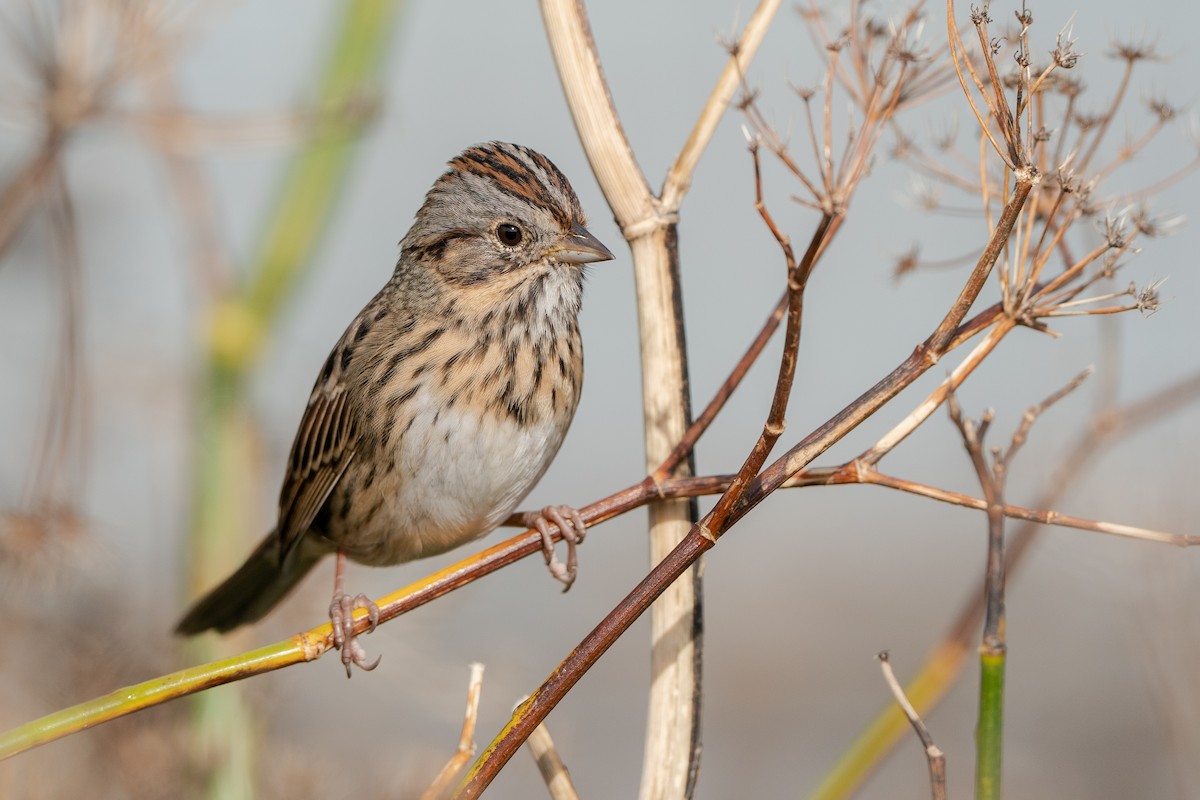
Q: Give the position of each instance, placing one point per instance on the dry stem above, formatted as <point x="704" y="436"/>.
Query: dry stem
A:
<point x="550" y="764"/>
<point x="933" y="754"/>
<point x="466" y="741"/>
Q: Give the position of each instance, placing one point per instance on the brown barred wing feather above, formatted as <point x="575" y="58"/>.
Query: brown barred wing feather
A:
<point x="323" y="449"/>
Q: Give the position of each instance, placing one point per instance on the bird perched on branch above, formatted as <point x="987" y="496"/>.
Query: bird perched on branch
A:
<point x="445" y="399"/>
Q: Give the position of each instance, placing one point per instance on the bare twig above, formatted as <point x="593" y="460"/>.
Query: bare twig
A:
<point x="992" y="478"/>
<point x="797" y="280"/>
<point x="933" y="754"/>
<point x="1039" y="514"/>
<point x="992" y="481"/>
<point x="466" y="742"/>
<point x="726" y="390"/>
<point x="550" y="764"/>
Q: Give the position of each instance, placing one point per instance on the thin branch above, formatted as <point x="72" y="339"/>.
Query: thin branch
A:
<point x="1038" y="514"/>
<point x="550" y="764"/>
<point x="726" y="390"/>
<point x="933" y="754"/>
<point x="679" y="176"/>
<point x="797" y="280"/>
<point x="992" y="482"/>
<point x="466" y="741"/>
<point x="959" y="58"/>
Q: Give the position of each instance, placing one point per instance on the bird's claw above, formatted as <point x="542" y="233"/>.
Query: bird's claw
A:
<point x="573" y="530"/>
<point x="341" y="614"/>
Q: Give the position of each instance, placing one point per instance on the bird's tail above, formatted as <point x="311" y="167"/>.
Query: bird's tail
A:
<point x="257" y="586"/>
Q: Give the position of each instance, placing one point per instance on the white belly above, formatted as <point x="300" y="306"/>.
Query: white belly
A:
<point x="463" y="479"/>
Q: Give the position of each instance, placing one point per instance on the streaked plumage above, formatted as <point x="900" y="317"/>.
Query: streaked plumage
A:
<point x="447" y="397"/>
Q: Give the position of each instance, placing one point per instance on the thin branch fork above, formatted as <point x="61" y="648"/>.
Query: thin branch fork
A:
<point x="878" y="97"/>
<point x="797" y="280"/>
<point x="993" y="650"/>
<point x="923" y="357"/>
<point x="992" y="479"/>
<point x="992" y="482"/>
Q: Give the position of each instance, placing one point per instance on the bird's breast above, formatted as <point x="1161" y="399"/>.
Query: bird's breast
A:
<point x="462" y="449"/>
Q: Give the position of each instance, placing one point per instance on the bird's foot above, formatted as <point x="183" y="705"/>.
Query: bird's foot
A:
<point x="341" y="614"/>
<point x="573" y="529"/>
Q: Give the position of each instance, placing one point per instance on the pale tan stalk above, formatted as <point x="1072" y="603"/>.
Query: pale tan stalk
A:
<point x="648" y="223"/>
<point x="466" y="741"/>
<point x="550" y="764"/>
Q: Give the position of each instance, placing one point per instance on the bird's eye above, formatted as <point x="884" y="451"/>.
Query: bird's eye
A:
<point x="508" y="234"/>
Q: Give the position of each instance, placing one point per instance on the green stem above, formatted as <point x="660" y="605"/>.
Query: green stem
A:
<point x="155" y="692"/>
<point x="312" y="182"/>
<point x="989" y="732"/>
<point x="238" y="328"/>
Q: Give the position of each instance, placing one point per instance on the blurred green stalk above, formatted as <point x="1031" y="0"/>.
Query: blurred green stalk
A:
<point x="989" y="732"/>
<point x="238" y="328"/>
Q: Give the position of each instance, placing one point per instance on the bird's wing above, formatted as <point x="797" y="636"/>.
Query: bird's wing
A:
<point x="324" y="447"/>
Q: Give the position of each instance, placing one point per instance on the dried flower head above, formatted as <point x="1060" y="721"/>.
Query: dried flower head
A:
<point x="1147" y="298"/>
<point x="1132" y="51"/>
<point x="1064" y="53"/>
<point x="1161" y="108"/>
<point x="1115" y="231"/>
<point x="1163" y="225"/>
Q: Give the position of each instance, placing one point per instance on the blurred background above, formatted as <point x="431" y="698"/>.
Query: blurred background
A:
<point x="132" y="383"/>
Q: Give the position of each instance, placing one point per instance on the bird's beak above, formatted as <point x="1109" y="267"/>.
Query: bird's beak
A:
<point x="580" y="247"/>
